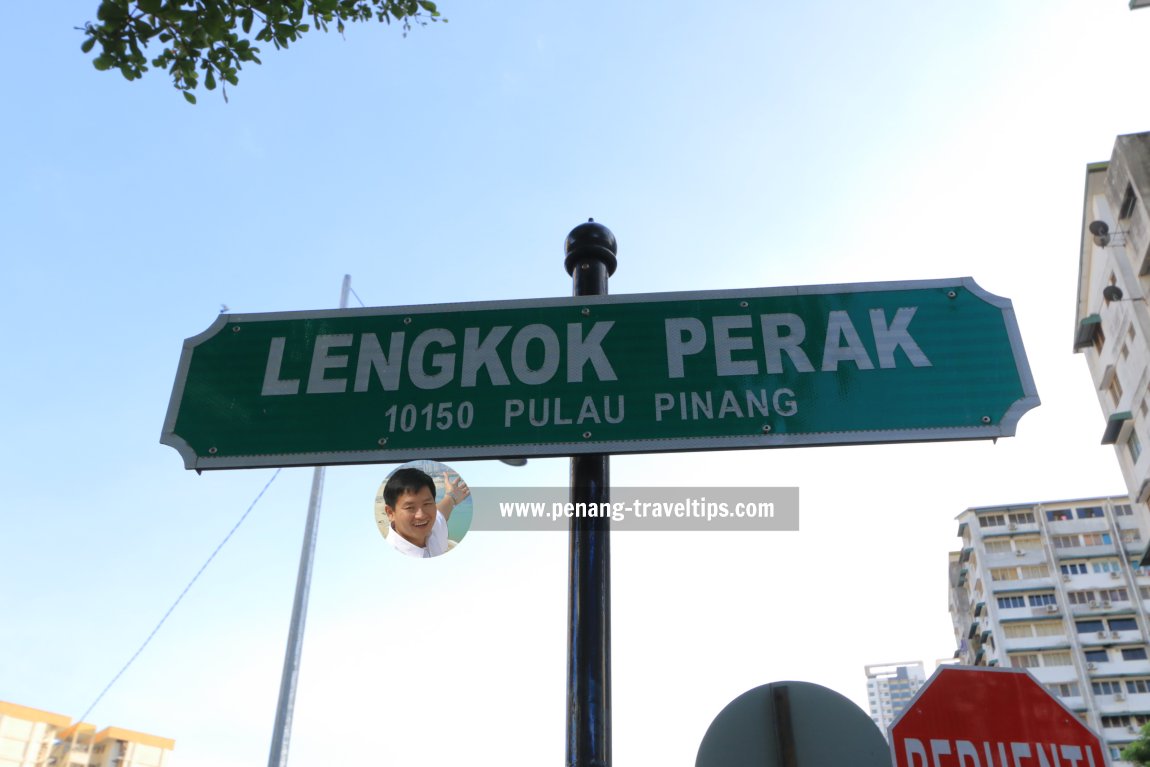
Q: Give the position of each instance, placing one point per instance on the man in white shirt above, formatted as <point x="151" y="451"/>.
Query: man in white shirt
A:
<point x="418" y="523"/>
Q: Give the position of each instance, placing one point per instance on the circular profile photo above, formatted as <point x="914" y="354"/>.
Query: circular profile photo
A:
<point x="423" y="509"/>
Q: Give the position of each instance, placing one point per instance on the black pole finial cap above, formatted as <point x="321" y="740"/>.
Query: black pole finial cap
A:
<point x="591" y="242"/>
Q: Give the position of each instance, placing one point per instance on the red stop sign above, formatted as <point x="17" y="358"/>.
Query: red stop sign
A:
<point x="967" y="717"/>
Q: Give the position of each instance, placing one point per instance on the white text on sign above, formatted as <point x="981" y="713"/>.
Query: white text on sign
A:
<point x="536" y="354"/>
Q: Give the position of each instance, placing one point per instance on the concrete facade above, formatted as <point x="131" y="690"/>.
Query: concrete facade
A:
<point x="27" y="734"/>
<point x="890" y="686"/>
<point x="30" y="737"/>
<point x="1056" y="588"/>
<point x="1112" y="317"/>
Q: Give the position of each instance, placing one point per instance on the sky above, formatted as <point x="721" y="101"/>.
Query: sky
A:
<point x="750" y="144"/>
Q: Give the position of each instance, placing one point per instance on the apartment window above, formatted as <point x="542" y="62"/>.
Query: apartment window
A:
<point x="1024" y="660"/>
<point x="1137" y="686"/>
<point x="1080" y="597"/>
<point x="1064" y="689"/>
<point x="1073" y="568"/>
<point x="1006" y="603"/>
<point x="1064" y="541"/>
<point x="997" y="547"/>
<point x="1133" y="653"/>
<point x="1095" y="656"/>
<point x="1133" y="446"/>
<point x="1144" y="592"/>
<point x="1089" y="512"/>
<point x="1027" y="543"/>
<point x="1058" y="515"/>
<point x="1089" y="626"/>
<point x="1018" y="630"/>
<point x="1129" y="201"/>
<point x="1124" y="350"/>
<point x="1115" y="721"/>
<point x="1106" y="566"/>
<point x="1129" y="536"/>
<point x="991" y="520"/>
<point x="1057" y="658"/>
<point x="1004" y="573"/>
<point x="1099" y="339"/>
<point x="1049" y="628"/>
<point x="1035" y="571"/>
<point x="1096" y="539"/>
<point x="1038" y="600"/>
<point x="1115" y="595"/>
<point x="1022" y="517"/>
<point x="1106" y="687"/>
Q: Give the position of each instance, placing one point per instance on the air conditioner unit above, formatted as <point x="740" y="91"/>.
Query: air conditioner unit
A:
<point x="1094" y="603"/>
<point x="1101" y="634"/>
<point x="1090" y="666"/>
<point x="1020" y="553"/>
<point x="1066" y="577"/>
<point x="1114" y="575"/>
<point x="1114" y="634"/>
<point x="1052" y="608"/>
<point x="1131" y="728"/>
<point x="1012" y="526"/>
<point x="1119" y="696"/>
<point x="1105" y="605"/>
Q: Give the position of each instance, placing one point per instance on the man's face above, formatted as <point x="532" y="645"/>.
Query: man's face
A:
<point x="413" y="516"/>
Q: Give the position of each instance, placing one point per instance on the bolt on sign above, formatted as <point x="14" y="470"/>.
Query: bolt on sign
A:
<point x="770" y="367"/>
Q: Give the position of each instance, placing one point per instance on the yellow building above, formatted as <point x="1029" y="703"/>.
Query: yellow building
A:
<point x="30" y="737"/>
<point x="27" y="734"/>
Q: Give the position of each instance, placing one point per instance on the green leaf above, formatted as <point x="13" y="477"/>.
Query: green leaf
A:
<point x="216" y="35"/>
<point x="111" y="10"/>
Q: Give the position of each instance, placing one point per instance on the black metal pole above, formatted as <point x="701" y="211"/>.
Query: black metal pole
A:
<point x="590" y="260"/>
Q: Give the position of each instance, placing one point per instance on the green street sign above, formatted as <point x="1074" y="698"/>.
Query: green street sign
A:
<point x="770" y="367"/>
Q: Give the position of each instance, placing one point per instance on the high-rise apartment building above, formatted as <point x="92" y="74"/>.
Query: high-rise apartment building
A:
<point x="1056" y="588"/>
<point x="1112" y="322"/>
<point x="30" y="737"/>
<point x="27" y="734"/>
<point x="890" y="686"/>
